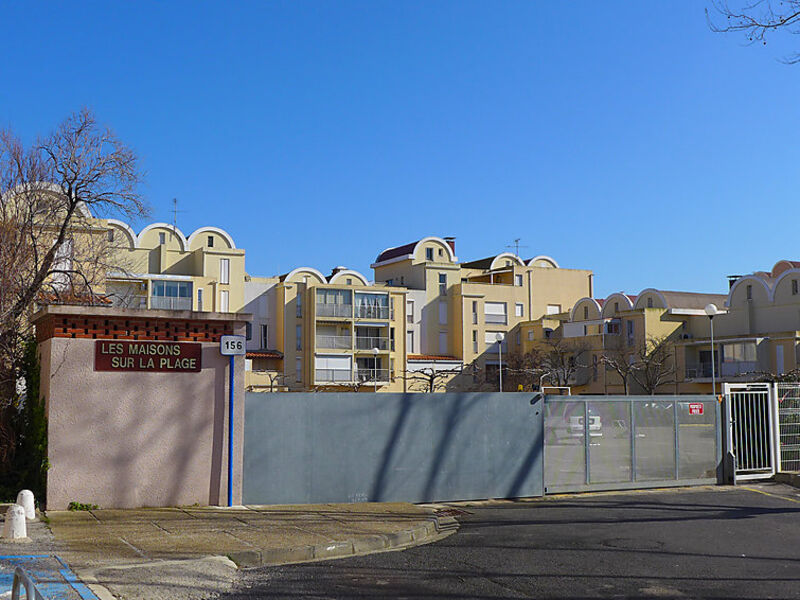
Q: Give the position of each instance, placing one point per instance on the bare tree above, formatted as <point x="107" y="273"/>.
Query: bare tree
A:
<point x="525" y="369"/>
<point x="757" y="19"/>
<point x="51" y="247"/>
<point x="654" y="364"/>
<point x="620" y="359"/>
<point x="562" y="359"/>
<point x="431" y="379"/>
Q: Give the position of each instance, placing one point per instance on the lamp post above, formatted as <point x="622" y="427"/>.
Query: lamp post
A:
<point x="375" y="369"/>
<point x="499" y="338"/>
<point x="712" y="311"/>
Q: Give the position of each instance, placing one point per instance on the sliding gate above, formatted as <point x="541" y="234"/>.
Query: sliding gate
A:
<point x="751" y="424"/>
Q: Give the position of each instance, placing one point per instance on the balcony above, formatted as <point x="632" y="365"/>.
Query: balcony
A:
<point x="170" y="303"/>
<point x="372" y="312"/>
<point x="335" y="310"/>
<point x="372" y="375"/>
<point x="333" y="375"/>
<point x="368" y="343"/>
<point x="702" y="370"/>
<point x="496" y="319"/>
<point x="335" y="342"/>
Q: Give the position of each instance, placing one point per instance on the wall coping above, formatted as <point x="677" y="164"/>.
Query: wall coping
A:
<point x="138" y="314"/>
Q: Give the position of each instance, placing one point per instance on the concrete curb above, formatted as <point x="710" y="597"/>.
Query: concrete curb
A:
<point x="792" y="479"/>
<point x="436" y="528"/>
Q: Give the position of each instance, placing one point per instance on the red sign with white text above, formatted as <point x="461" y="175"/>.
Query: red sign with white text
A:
<point x="695" y="408"/>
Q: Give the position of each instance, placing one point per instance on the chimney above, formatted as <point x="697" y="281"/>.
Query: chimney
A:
<point x="451" y="241"/>
<point x="732" y="279"/>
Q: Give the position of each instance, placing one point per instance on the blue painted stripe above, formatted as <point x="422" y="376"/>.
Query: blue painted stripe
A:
<point x="80" y="587"/>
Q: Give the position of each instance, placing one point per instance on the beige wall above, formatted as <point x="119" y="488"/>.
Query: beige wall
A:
<point x="133" y="439"/>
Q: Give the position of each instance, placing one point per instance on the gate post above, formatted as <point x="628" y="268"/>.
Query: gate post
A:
<point x="775" y="426"/>
<point x="729" y="457"/>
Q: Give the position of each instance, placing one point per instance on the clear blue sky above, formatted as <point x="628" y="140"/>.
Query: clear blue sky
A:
<point x="621" y="137"/>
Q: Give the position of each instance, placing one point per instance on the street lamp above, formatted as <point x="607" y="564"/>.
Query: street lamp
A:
<point x="712" y="311"/>
<point x="375" y="369"/>
<point x="499" y="338"/>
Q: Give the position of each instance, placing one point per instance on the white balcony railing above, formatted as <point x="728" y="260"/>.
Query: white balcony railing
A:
<point x="372" y="312"/>
<point x="334" y="310"/>
<point x="335" y="342"/>
<point x="170" y="303"/>
<point x="368" y="343"/>
<point x="333" y="375"/>
<point x="369" y="375"/>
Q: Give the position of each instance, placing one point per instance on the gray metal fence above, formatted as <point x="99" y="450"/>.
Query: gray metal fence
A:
<point x="617" y="442"/>
<point x="358" y="447"/>
<point x="789" y="419"/>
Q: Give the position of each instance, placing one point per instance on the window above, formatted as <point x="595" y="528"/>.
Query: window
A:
<point x="490" y="339"/>
<point x="530" y="335"/>
<point x="443" y="342"/>
<point x="548" y="333"/>
<point x="495" y="312"/>
<point x="442" y="313"/>
<point x="410" y="341"/>
<point x="649" y="303"/>
<point x="442" y="284"/>
<point x="518" y="309"/>
<point x="349" y="281"/>
<point x="794" y="287"/>
<point x="402" y="282"/>
<point x="441" y="252"/>
<point x="264" y="336"/>
<point x="224" y="305"/>
<point x="298" y="369"/>
<point x="298" y="334"/>
<point x="585" y="312"/>
<point x="616" y="307"/>
<point x="200" y="299"/>
<point x="410" y="312"/>
<point x="518" y="338"/>
<point x="428" y="253"/>
<point x="162" y="238"/>
<point x="474" y="341"/>
<point x="211" y="241"/>
<point x="299" y="306"/>
<point x="390" y="282"/>
<point x="248" y="329"/>
<point x="110" y="235"/>
<point x="518" y="280"/>
<point x="553" y="309"/>
<point x="391" y="338"/>
<point x="224" y="270"/>
<point x="749" y="292"/>
<point x="474" y="312"/>
<point x="630" y="331"/>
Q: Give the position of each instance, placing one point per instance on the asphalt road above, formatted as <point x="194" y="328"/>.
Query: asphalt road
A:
<point x="708" y="542"/>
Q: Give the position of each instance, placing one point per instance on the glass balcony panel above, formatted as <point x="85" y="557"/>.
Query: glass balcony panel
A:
<point x="372" y="312"/>
<point x="335" y="342"/>
<point x="170" y="303"/>
<point x="372" y="375"/>
<point x="368" y="343"/>
<point x="334" y="310"/>
<point x="332" y="375"/>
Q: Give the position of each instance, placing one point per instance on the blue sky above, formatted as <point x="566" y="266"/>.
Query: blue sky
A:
<point x="621" y="137"/>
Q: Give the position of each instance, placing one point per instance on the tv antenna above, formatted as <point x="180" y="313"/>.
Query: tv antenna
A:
<point x="175" y="212"/>
<point x="516" y="246"/>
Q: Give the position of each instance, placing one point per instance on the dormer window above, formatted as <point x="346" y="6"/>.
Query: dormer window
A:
<point x="162" y="238"/>
<point x="794" y="287"/>
<point x="508" y="263"/>
<point x="211" y="241"/>
<point x="428" y="253"/>
<point x="649" y="303"/>
<point x="441" y="252"/>
<point x="616" y="307"/>
<point x="749" y="292"/>
<point x="111" y="239"/>
<point x="349" y="281"/>
<point x="585" y="312"/>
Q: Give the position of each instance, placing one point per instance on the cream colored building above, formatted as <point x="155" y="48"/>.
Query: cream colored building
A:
<point x="161" y="268"/>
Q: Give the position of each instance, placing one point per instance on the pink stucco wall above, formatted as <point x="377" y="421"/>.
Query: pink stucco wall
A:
<point x="132" y="439"/>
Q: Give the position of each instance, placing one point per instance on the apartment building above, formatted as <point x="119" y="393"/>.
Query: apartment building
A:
<point x="161" y="268"/>
<point x="457" y="311"/>
<point x="334" y="333"/>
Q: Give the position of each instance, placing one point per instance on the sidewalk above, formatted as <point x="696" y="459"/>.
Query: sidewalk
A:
<point x="192" y="552"/>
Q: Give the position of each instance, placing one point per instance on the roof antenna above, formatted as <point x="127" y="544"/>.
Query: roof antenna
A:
<point x="516" y="246"/>
<point x="175" y="212"/>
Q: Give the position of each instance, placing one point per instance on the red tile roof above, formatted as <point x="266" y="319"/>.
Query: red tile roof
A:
<point x="264" y="354"/>
<point x="432" y="357"/>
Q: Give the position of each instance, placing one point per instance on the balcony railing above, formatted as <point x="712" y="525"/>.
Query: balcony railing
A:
<point x="368" y="343"/>
<point x="370" y="375"/>
<point x="726" y="369"/>
<point x="501" y="319"/>
<point x="170" y="303"/>
<point x="333" y="375"/>
<point x="372" y="312"/>
<point x="334" y="310"/>
<point x="335" y="342"/>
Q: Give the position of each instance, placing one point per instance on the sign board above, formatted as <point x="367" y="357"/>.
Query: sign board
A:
<point x="124" y="355"/>
<point x="695" y="408"/>
<point x="232" y="345"/>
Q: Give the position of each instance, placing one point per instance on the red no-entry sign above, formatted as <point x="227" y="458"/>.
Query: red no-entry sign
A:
<point x="695" y="408"/>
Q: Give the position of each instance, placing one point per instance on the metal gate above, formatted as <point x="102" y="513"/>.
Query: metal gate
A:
<point x="750" y="420"/>
<point x="788" y="400"/>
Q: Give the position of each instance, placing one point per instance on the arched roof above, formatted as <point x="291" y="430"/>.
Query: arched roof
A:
<point x="531" y="261"/>
<point x="585" y="299"/>
<point x="504" y="256"/>
<point x="134" y="241"/>
<point x="784" y="265"/>
<point x="746" y="278"/>
<point x="46" y="186"/>
<point x="411" y="249"/>
<point x="627" y="302"/>
<point x="657" y="293"/>
<point x="309" y="270"/>
<point x="348" y="273"/>
<point x="784" y="274"/>
<point x="181" y="238"/>
<point x="208" y="228"/>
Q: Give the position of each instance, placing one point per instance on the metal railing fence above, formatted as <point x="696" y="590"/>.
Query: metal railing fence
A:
<point x="372" y="312"/>
<point x="334" y="342"/>
<point x="333" y="375"/>
<point x="334" y="310"/>
<point x="789" y="425"/>
<point x="368" y="343"/>
<point x="23" y="581"/>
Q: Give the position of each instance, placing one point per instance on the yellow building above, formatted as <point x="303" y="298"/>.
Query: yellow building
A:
<point x="456" y="311"/>
<point x="312" y="332"/>
<point x="161" y="268"/>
